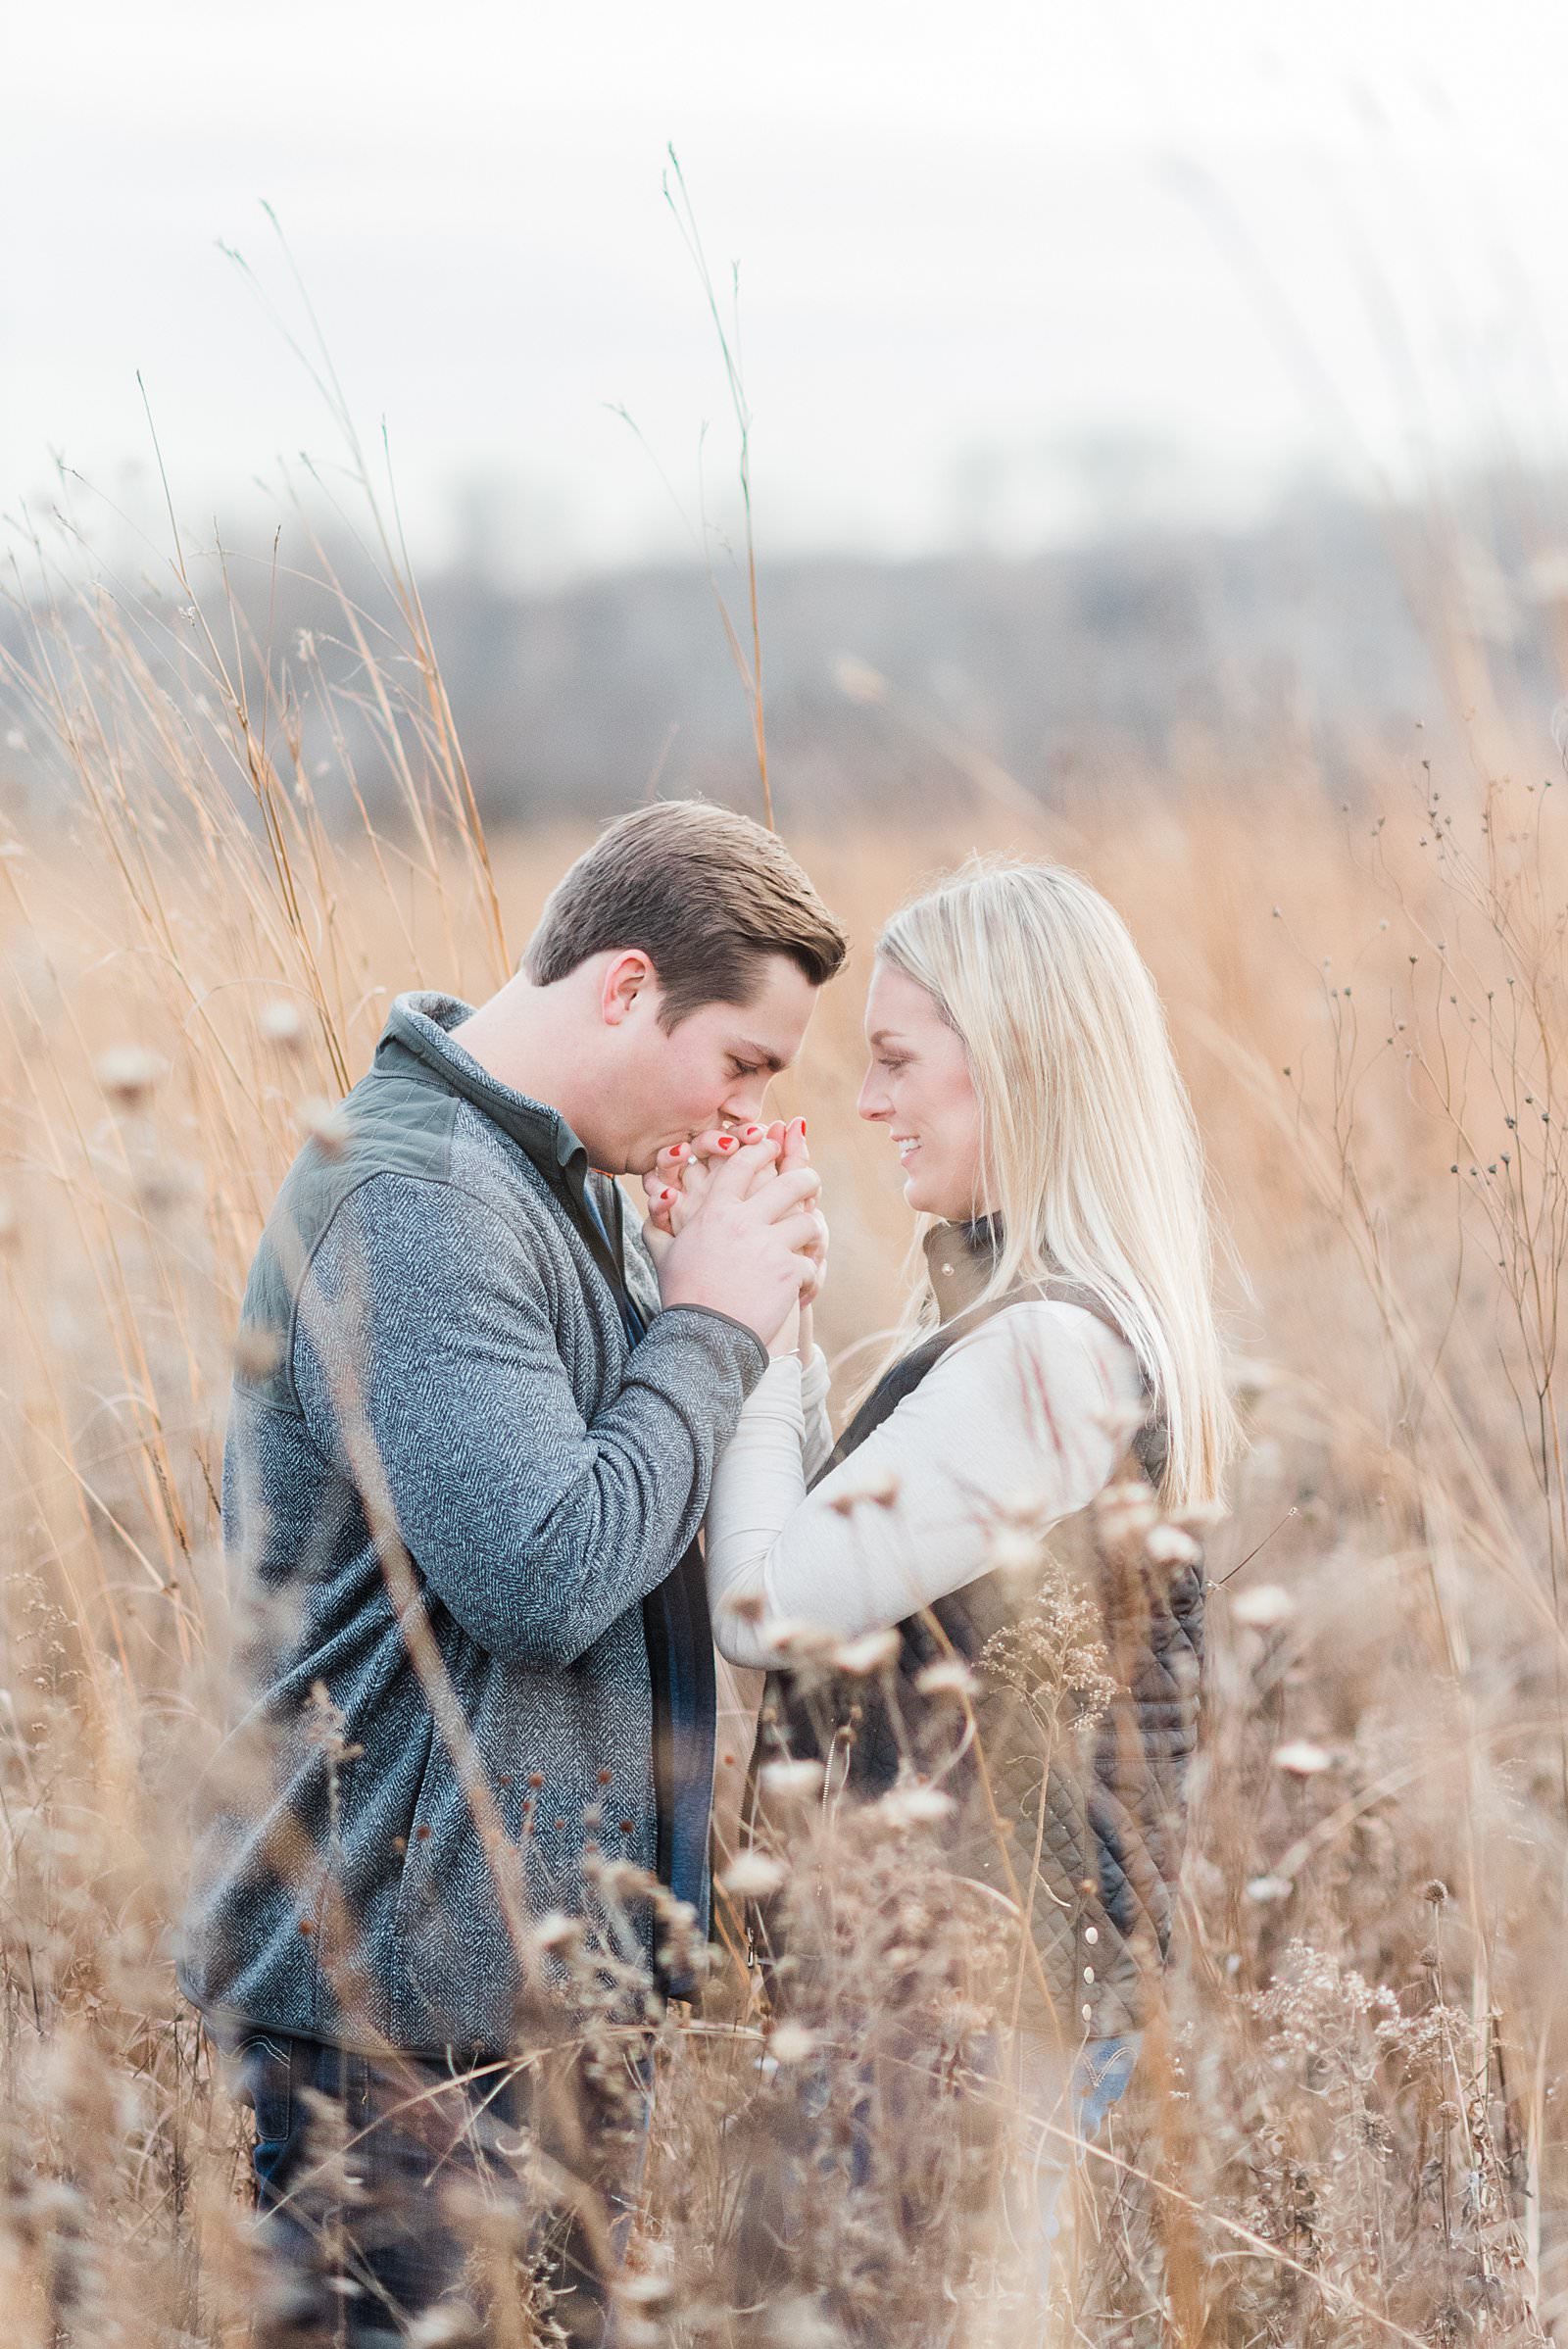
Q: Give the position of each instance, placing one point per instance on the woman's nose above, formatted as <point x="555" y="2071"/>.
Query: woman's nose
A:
<point x="872" y="1101"/>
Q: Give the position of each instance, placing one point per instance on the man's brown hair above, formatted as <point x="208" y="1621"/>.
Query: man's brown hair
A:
<point x="704" y="893"/>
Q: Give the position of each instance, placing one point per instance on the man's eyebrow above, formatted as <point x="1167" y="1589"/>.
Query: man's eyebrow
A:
<point x="754" y="1051"/>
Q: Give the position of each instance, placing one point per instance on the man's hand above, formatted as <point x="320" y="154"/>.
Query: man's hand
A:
<point x="743" y="1233"/>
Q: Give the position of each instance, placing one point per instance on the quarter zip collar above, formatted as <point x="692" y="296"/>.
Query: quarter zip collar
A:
<point x="421" y="1025"/>
<point x="418" y="1029"/>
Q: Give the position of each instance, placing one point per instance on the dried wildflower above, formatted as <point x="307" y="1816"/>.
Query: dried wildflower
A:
<point x="1015" y="1551"/>
<point x="1168" y="1545"/>
<point x="129" y="1073"/>
<point x="1264" y="1607"/>
<point x="802" y="2324"/>
<point x="877" y="1486"/>
<point x="257" y="1351"/>
<point x="1121" y="1420"/>
<point x="788" y="1635"/>
<point x="790" y="2042"/>
<point x="754" y="1875"/>
<point x="792" y="1781"/>
<point x="871" y="1652"/>
<point x="281" y="1023"/>
<point x="323" y="1123"/>
<point x="948" y="1676"/>
<point x="557" y="1930"/>
<point x="915" y="1806"/>
<point x="165" y="1185"/>
<point x="452" y="2327"/>
<point x="1055" y="1654"/>
<point x="646" y="2290"/>
<point x="1026" y="1506"/>
<point x="1300" y="1758"/>
<point x="1126" y="1510"/>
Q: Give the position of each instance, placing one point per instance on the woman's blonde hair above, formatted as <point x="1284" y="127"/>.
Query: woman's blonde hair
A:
<point x="1092" y="1159"/>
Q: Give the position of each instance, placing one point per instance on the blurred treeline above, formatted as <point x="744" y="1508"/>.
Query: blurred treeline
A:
<point x="1324" y="632"/>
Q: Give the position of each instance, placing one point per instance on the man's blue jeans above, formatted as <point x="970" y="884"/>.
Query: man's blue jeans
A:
<point x="351" y="2195"/>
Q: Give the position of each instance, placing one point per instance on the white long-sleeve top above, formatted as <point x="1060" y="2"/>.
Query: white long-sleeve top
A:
<point x="1015" y="1413"/>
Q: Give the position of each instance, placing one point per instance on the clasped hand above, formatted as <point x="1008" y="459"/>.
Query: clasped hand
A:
<point x="757" y="1186"/>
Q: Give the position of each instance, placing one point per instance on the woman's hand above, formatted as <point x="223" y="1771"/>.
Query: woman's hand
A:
<point x="679" y="1182"/>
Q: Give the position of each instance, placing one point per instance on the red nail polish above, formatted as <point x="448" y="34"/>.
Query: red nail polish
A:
<point x="726" y="1142"/>
<point x="665" y="1194"/>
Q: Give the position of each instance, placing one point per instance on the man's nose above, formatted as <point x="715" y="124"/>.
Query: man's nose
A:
<point x="745" y="1102"/>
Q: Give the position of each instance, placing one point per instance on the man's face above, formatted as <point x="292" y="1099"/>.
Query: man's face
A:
<point x="714" y="1069"/>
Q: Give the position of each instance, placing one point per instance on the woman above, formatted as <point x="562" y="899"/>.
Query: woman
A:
<point x="1021" y="1067"/>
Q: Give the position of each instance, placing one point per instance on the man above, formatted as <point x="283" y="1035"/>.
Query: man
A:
<point x="469" y="1448"/>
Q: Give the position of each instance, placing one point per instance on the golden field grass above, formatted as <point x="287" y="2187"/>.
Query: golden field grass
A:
<point x="1362" y="2141"/>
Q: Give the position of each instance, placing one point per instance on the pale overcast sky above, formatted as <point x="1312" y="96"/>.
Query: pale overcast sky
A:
<point x="987" y="254"/>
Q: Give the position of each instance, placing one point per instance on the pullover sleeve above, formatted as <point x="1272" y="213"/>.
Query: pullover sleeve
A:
<point x="1014" y="1409"/>
<point x="429" y="1334"/>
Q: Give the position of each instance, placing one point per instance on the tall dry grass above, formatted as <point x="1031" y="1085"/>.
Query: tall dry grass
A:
<point x="1358" y="2142"/>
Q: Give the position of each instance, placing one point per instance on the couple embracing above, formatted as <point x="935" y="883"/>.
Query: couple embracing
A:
<point x="502" y="1465"/>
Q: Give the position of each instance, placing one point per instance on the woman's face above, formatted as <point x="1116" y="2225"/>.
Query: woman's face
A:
<point x="919" y="1088"/>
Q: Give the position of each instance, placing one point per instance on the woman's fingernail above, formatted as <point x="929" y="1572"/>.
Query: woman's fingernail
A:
<point x="754" y="1134"/>
<point x="678" y="1149"/>
<point x="666" y="1195"/>
<point x="801" y="1122"/>
<point x="726" y="1142"/>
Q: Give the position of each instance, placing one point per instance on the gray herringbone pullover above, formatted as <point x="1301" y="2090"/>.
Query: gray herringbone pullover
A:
<point x="546" y="1476"/>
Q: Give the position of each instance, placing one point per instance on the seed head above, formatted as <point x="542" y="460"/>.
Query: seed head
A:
<point x="948" y="1676"/>
<point x="1301" y="1758"/>
<point x="257" y="1351"/>
<point x="753" y="1875"/>
<point x="1265" y="1889"/>
<point x="1264" y="1607"/>
<point x="791" y="2044"/>
<point x="791" y="1637"/>
<point x="324" y="1124"/>
<point x="1013" y="1551"/>
<point x="129" y="1073"/>
<point x="915" y="1806"/>
<point x="879" y="1487"/>
<point x="281" y="1023"/>
<point x="871" y="1652"/>
<point x="793" y="1782"/>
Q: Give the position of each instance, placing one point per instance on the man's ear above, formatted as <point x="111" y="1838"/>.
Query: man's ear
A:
<point x="627" y="976"/>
